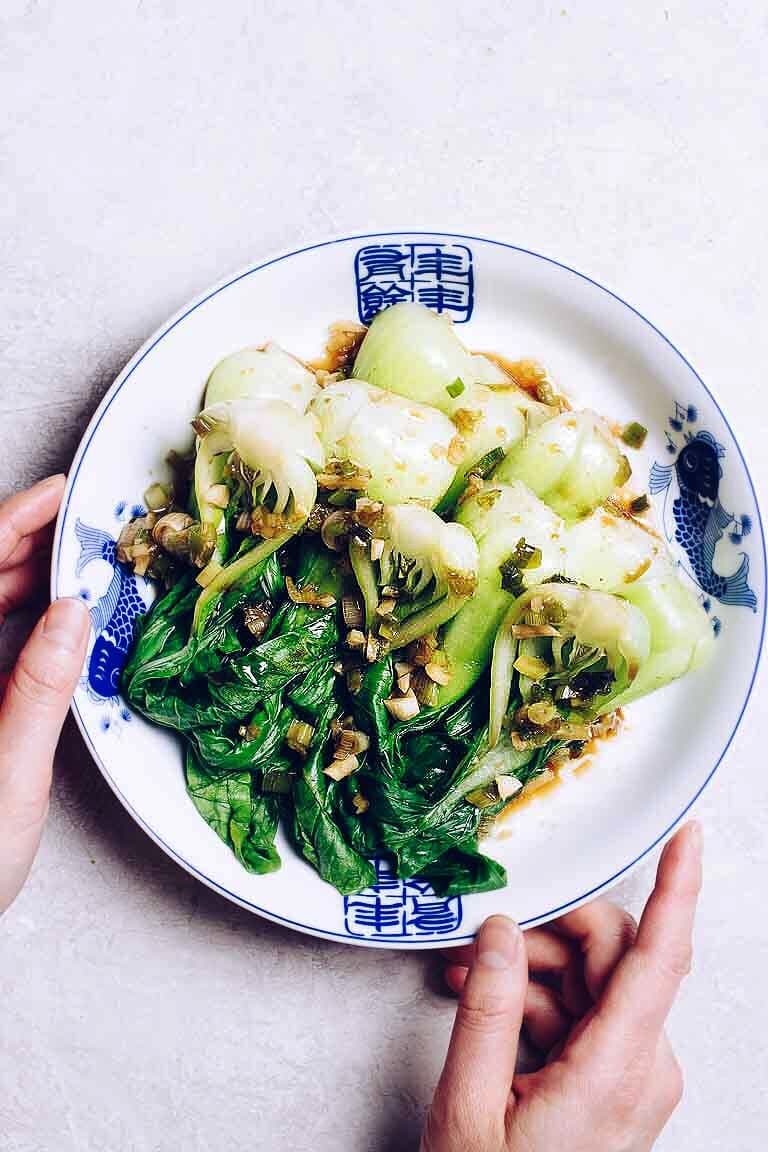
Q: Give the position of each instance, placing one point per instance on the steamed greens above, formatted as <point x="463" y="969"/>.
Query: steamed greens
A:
<point x="395" y="594"/>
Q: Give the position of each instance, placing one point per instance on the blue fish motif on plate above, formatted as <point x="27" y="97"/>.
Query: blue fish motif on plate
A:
<point x="113" y="616"/>
<point x="699" y="520"/>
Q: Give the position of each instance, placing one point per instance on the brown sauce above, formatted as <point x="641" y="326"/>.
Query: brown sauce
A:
<point x="618" y="505"/>
<point x="532" y="377"/>
<point x="527" y="374"/>
<point x="575" y="768"/>
<point x="341" y="348"/>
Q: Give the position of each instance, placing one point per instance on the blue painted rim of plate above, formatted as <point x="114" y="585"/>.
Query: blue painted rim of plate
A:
<point x="80" y="456"/>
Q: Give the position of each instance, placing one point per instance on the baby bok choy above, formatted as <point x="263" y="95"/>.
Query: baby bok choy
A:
<point x="620" y="555"/>
<point x="273" y="451"/>
<point x="569" y="649"/>
<point x="415" y="571"/>
<point x="415" y="353"/>
<point x="520" y="542"/>
<point x="406" y="450"/>
<point x="267" y="373"/>
<point x="572" y="463"/>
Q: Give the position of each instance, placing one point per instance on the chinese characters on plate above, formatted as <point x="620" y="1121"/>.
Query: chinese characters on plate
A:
<point x="439" y="276"/>
<point x="400" y="909"/>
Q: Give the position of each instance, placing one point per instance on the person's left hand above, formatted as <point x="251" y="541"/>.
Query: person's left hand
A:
<point x="37" y="692"/>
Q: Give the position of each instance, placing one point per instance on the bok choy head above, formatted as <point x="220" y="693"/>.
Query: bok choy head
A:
<point x="570" y="650"/>
<point x="682" y="639"/>
<point x="416" y="353"/>
<point x="520" y="542"/>
<point x="252" y="374"/>
<point x="620" y="555"/>
<point x="278" y="447"/>
<point x="267" y="373"/>
<point x="272" y="450"/>
<point x="572" y="462"/>
<point x="425" y="566"/>
<point x="412" y="351"/>
<point x="409" y="449"/>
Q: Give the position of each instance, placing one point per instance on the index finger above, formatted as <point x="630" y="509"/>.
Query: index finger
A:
<point x="603" y="932"/>
<point x="27" y="512"/>
<point x="631" y="1014"/>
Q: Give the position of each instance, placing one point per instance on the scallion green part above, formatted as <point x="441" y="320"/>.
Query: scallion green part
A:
<point x="488" y="463"/>
<point x="485" y="797"/>
<point x="456" y="388"/>
<point x="634" y="434"/>
<point x="511" y="578"/>
<point x="525" y="555"/>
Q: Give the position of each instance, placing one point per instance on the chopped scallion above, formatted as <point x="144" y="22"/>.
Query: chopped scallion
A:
<point x="511" y="578"/>
<point x="531" y="667"/>
<point x="634" y="434"/>
<point x="488" y="463"/>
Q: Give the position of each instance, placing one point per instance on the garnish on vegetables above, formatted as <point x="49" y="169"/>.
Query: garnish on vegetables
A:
<point x="634" y="434"/>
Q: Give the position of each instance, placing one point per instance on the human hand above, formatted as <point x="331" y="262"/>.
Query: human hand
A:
<point x="610" y="1081"/>
<point x="37" y="692"/>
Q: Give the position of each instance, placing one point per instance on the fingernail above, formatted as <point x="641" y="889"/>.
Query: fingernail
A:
<point x="65" y="623"/>
<point x="498" y="943"/>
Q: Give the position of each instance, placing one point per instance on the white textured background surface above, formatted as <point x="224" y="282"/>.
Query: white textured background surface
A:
<point x="147" y="149"/>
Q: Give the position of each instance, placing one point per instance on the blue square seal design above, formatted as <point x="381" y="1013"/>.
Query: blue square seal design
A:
<point x="400" y="909"/>
<point x="440" y="276"/>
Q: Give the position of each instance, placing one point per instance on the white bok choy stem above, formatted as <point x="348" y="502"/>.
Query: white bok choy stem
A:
<point x="412" y="351"/>
<point x="595" y="619"/>
<point x="281" y="449"/>
<point x="266" y="373"/>
<point x="572" y="463"/>
<point x="410" y="449"/>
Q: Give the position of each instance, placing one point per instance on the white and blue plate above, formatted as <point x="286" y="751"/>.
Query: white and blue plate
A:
<point x="573" y="842"/>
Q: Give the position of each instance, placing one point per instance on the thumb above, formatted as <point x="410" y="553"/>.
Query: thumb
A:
<point x="33" y="709"/>
<point x="480" y="1065"/>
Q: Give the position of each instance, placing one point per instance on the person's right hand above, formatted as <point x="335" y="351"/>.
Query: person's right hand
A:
<point x="611" y="1081"/>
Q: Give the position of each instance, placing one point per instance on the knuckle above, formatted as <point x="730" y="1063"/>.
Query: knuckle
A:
<point x="624" y="1085"/>
<point x="627" y="929"/>
<point x="625" y="1099"/>
<point x="483" y="1013"/>
<point x="679" y="960"/>
<point x="38" y="682"/>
